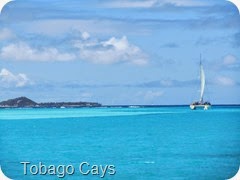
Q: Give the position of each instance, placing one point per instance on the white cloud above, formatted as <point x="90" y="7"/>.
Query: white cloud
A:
<point x="6" y="34"/>
<point x="22" y="51"/>
<point x="153" y="3"/>
<point x="185" y="3"/>
<point x="225" y="81"/>
<point x="7" y="79"/>
<point x="131" y="4"/>
<point x="229" y="60"/>
<point x="85" y="35"/>
<point x="111" y="51"/>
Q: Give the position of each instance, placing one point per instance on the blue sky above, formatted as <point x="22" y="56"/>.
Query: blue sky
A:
<point x="120" y="52"/>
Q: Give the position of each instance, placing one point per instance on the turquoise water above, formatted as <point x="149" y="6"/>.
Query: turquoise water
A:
<point x="142" y="143"/>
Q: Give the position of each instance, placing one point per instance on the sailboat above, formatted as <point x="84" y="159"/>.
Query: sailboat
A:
<point x="201" y="104"/>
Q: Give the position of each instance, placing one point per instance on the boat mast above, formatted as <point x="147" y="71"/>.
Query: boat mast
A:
<point x="202" y="79"/>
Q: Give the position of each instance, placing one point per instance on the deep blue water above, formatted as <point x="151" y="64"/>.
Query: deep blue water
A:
<point x="142" y="143"/>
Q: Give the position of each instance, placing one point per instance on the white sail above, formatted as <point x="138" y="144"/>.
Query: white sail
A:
<point x="202" y="78"/>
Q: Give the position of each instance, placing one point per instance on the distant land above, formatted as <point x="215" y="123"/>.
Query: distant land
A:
<point x="24" y="102"/>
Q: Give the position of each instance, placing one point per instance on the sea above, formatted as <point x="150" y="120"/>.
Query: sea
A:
<point x="132" y="143"/>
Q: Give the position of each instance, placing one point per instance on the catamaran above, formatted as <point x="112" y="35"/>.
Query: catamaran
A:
<point x="201" y="104"/>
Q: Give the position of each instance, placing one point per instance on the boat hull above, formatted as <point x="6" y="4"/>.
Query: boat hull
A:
<point x="200" y="106"/>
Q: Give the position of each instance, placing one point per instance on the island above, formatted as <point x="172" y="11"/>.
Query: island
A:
<point x="24" y="102"/>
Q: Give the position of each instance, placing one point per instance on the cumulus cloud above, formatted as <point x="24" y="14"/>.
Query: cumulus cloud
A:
<point x="6" y="34"/>
<point x="85" y="35"/>
<point x="8" y="79"/>
<point x="230" y="62"/>
<point x="23" y="51"/>
<point x="225" y="81"/>
<point x="229" y="59"/>
<point x="154" y="3"/>
<point x="111" y="51"/>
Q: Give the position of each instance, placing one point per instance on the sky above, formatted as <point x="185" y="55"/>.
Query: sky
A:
<point x="120" y="52"/>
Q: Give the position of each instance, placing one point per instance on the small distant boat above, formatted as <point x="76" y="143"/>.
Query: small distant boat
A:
<point x="134" y="106"/>
<point x="201" y="104"/>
